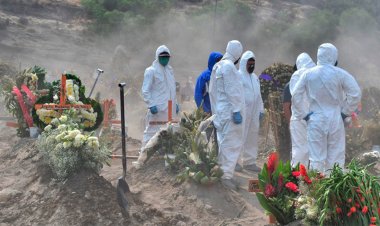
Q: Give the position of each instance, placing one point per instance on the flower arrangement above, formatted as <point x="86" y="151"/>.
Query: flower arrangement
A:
<point x="280" y="186"/>
<point x="66" y="148"/>
<point x="88" y="119"/>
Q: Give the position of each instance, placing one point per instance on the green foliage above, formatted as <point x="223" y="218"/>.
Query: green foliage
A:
<point x="357" y="19"/>
<point x="320" y="27"/>
<point x="344" y="190"/>
<point x="110" y="15"/>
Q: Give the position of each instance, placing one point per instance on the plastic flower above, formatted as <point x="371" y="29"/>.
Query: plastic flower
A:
<point x="62" y="127"/>
<point x="74" y="133"/>
<point x="55" y="97"/>
<point x="373" y="220"/>
<point x="63" y="119"/>
<point x="312" y="212"/>
<point x="303" y="170"/>
<point x="93" y="142"/>
<point x="47" y="128"/>
<point x="296" y="173"/>
<point x="272" y="162"/>
<point x="60" y="137"/>
<point x="338" y="210"/>
<point x="79" y="140"/>
<point x="269" y="191"/>
<point x="54" y="122"/>
<point x="307" y="180"/>
<point x="67" y="144"/>
<point x="353" y="209"/>
<point x="291" y="186"/>
<point x="365" y="210"/>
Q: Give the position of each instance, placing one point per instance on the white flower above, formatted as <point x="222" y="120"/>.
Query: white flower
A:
<point x="47" y="128"/>
<point x="54" y="122"/>
<point x="312" y="212"/>
<point x="74" y="133"/>
<point x="71" y="98"/>
<point x="55" y="97"/>
<point x="79" y="140"/>
<point x="63" y="119"/>
<point x="34" y="77"/>
<point x="59" y="137"/>
<point x="67" y="144"/>
<point x="93" y="142"/>
<point x="62" y="127"/>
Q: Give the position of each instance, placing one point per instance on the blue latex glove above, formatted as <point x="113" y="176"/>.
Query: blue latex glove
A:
<point x="307" y="117"/>
<point x="261" y="116"/>
<point x="153" y="110"/>
<point x="344" y="116"/>
<point x="237" y="117"/>
<point x="176" y="108"/>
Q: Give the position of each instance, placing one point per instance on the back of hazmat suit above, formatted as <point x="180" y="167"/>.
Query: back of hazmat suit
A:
<point x="300" y="151"/>
<point x="330" y="91"/>
<point x="253" y="107"/>
<point x="227" y="98"/>
<point x="158" y="88"/>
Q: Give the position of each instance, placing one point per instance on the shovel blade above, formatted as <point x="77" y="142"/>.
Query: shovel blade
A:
<point x="121" y="189"/>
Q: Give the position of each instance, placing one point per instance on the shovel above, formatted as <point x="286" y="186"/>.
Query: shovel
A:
<point x="122" y="186"/>
<point x="100" y="71"/>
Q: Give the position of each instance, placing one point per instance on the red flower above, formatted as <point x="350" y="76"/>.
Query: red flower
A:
<point x="303" y="170"/>
<point x="269" y="191"/>
<point x="365" y="209"/>
<point x="349" y="200"/>
<point x="373" y="220"/>
<point x="291" y="186"/>
<point x="296" y="173"/>
<point x="372" y="224"/>
<point x="280" y="181"/>
<point x="349" y="214"/>
<point x="272" y="162"/>
<point x="307" y="180"/>
<point x="357" y="204"/>
<point x="338" y="210"/>
<point x="353" y="209"/>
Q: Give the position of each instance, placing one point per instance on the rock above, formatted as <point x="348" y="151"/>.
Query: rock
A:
<point x="87" y="195"/>
<point x="181" y="223"/>
<point x="208" y="207"/>
<point x="7" y="194"/>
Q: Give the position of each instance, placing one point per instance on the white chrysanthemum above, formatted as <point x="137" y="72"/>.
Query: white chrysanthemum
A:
<point x="55" y="97"/>
<point x="63" y="119"/>
<point x="312" y="212"/>
<point x="47" y="128"/>
<point x="93" y="142"/>
<point x="59" y="137"/>
<point x="67" y="144"/>
<point x="62" y="127"/>
<point x="55" y="122"/>
<point x="74" y="133"/>
<point x="79" y="140"/>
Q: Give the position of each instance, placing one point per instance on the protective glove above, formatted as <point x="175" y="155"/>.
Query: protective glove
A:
<point x="344" y="116"/>
<point x="237" y="117"/>
<point x="176" y="108"/>
<point x="153" y="110"/>
<point x="261" y="116"/>
<point x="307" y="117"/>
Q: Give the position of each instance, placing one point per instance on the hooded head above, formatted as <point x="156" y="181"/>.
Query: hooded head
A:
<point x="327" y="54"/>
<point x="304" y="61"/>
<point x="213" y="59"/>
<point x="163" y="60"/>
<point x="244" y="59"/>
<point x="233" y="51"/>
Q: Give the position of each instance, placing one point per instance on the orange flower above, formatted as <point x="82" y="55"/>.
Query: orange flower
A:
<point x="365" y="209"/>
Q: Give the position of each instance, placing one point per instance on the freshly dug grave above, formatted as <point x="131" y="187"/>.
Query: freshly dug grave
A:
<point x="30" y="196"/>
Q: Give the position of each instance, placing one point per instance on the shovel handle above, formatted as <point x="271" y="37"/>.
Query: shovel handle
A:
<point x="123" y="144"/>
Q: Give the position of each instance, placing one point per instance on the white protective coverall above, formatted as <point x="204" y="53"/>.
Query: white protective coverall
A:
<point x="253" y="107"/>
<point x="300" y="151"/>
<point x="330" y="91"/>
<point x="157" y="89"/>
<point x="227" y="97"/>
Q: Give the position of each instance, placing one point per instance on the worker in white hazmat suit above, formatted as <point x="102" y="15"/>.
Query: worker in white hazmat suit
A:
<point x="158" y="88"/>
<point x="333" y="94"/>
<point x="254" y="111"/>
<point x="300" y="151"/>
<point x="227" y="103"/>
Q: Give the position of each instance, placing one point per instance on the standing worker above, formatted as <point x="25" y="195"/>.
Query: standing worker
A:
<point x="158" y="88"/>
<point x="227" y="103"/>
<point x="333" y="94"/>
<point x="201" y="95"/>
<point x="254" y="112"/>
<point x="298" y="131"/>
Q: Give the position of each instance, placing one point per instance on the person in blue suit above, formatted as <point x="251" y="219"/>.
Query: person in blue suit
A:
<point x="201" y="95"/>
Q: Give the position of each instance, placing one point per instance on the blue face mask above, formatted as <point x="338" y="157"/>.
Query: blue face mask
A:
<point x="163" y="60"/>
